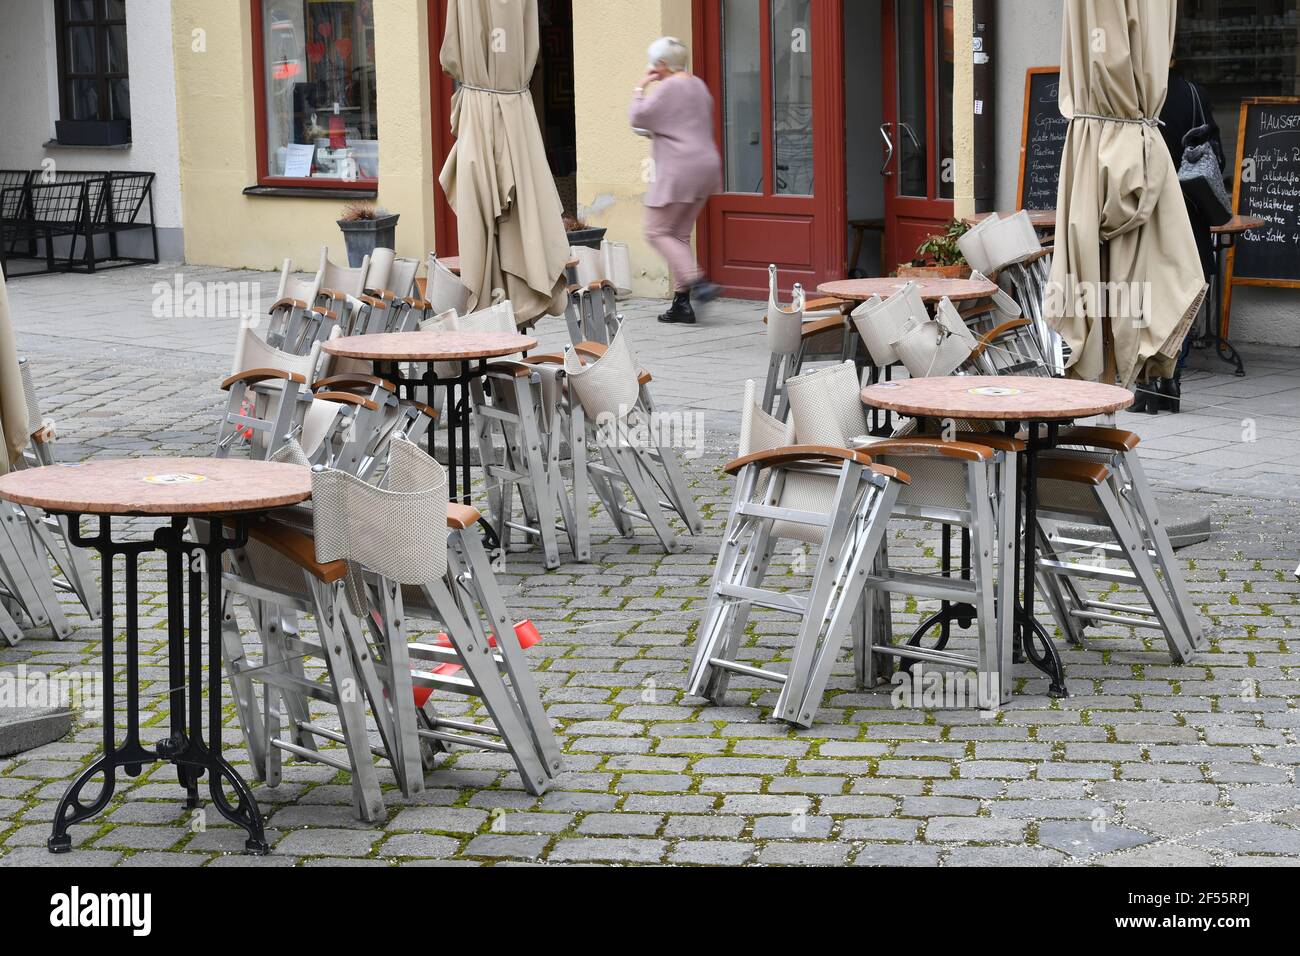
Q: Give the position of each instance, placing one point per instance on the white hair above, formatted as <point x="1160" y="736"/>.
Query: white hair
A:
<point x="669" y="51"/>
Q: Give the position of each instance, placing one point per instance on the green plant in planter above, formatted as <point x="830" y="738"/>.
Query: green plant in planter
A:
<point x="941" y="248"/>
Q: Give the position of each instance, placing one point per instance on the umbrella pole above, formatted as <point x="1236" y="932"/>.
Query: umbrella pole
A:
<point x="1109" y="373"/>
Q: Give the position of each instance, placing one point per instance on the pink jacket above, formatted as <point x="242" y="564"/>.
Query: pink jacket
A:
<point x="678" y="112"/>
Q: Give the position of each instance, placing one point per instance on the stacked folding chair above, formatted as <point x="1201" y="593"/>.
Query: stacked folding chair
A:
<point x="30" y="540"/>
<point x="1095" y="477"/>
<point x="374" y="557"/>
<point x="623" y="432"/>
<point x="796" y="335"/>
<point x="963" y="481"/>
<point x="832" y="498"/>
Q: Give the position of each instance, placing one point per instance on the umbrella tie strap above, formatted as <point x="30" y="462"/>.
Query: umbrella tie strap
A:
<point x="1152" y="121"/>
<point x="488" y="89"/>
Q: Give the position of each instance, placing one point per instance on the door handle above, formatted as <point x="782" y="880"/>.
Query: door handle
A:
<point x="889" y="145"/>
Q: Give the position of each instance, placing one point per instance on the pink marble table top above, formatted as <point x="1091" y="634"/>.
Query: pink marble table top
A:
<point x="159" y="486"/>
<point x="429" y="346"/>
<point x="997" y="397"/>
<point x="932" y="289"/>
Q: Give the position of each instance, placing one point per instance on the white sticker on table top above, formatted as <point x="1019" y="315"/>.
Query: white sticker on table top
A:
<point x="175" y="478"/>
<point x="994" y="391"/>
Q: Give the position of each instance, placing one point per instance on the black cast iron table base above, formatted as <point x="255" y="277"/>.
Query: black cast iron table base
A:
<point x="1033" y="643"/>
<point x="185" y="746"/>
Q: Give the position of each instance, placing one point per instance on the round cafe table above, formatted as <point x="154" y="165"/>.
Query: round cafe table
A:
<point x="1043" y="220"/>
<point x="931" y="289"/>
<point x="467" y="350"/>
<point x="224" y="493"/>
<point x="1016" y="402"/>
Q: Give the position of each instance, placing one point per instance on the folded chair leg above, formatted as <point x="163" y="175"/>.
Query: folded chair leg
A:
<point x="1170" y="567"/>
<point x="480" y="664"/>
<point x="403" y="734"/>
<point x="9" y="628"/>
<point x="367" y="797"/>
<point x="647" y="496"/>
<point x="1005" y="568"/>
<point x="71" y="560"/>
<point x="464" y="549"/>
<point x="989" y="675"/>
<point x="241" y="688"/>
<point x="1135" y="550"/>
<point x="1060" y="593"/>
<point x="528" y="452"/>
<point x="852" y="543"/>
<point x="17" y="565"/>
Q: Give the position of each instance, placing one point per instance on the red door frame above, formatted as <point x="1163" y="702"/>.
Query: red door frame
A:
<point x="827" y="207"/>
<point x="907" y="217"/>
<point x="441" y="86"/>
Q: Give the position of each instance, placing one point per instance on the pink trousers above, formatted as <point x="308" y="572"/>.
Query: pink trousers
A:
<point x="668" y="229"/>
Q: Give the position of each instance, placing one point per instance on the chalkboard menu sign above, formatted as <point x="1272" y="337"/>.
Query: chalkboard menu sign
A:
<point x="1042" y="139"/>
<point x="1268" y="186"/>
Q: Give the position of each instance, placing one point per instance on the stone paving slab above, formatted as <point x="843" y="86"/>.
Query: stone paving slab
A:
<point x="1146" y="763"/>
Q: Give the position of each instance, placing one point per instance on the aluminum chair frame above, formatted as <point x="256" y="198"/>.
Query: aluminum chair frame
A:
<point x="619" y="420"/>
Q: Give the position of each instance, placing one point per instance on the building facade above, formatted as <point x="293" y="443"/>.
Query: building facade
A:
<point x="850" y="129"/>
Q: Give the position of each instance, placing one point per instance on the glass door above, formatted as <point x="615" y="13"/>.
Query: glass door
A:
<point x="768" y="64"/>
<point x="916" y="135"/>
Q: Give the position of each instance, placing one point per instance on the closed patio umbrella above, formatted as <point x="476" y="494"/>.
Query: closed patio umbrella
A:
<point x="1120" y="213"/>
<point x="13" y="403"/>
<point x="508" y="213"/>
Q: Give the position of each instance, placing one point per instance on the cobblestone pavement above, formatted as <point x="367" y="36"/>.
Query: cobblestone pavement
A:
<point x="1146" y="763"/>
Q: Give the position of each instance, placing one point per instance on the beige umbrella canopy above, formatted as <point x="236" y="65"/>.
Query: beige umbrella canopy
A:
<point x="1120" y="214"/>
<point x="508" y="213"/>
<point x="13" y="403"/>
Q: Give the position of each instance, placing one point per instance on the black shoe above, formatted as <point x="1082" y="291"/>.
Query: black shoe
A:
<point x="705" y="291"/>
<point x="1171" y="391"/>
<point x="1144" y="399"/>
<point x="680" y="311"/>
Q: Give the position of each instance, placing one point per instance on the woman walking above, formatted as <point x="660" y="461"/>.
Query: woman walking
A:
<point x="678" y="115"/>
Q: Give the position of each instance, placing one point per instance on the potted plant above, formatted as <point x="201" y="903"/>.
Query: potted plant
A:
<point x="366" y="228"/>
<point x="580" y="234"/>
<point x="938" y="256"/>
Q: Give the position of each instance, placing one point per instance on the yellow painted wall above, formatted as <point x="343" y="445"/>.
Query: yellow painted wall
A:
<point x="610" y="38"/>
<point x="218" y="148"/>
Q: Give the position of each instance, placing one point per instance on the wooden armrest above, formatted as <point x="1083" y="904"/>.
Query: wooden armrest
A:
<point x="373" y="301"/>
<point x="428" y="410"/>
<point x="328" y="315"/>
<point x="422" y="284"/>
<point x="992" y="335"/>
<point x="993" y="440"/>
<point x="347" y="398"/>
<point x="298" y="548"/>
<point x="548" y="358"/>
<point x="923" y="447"/>
<point x="821" y="325"/>
<point x="1076" y="470"/>
<point x="1112" y="439"/>
<point x="599" y="284"/>
<point x="571" y="289"/>
<point x="416" y="302"/>
<point x="461" y="517"/>
<point x="346" y="379"/>
<point x="823" y="303"/>
<point x="254" y="375"/>
<point x="517" y="369"/>
<point x="332" y="295"/>
<point x="810" y="453"/>
<point x="288" y="303"/>
<point x="1035" y="256"/>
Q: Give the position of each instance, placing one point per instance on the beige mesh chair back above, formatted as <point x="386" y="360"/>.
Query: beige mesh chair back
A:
<point x="343" y="280"/>
<point x="302" y="287"/>
<point x="625" y="433"/>
<point x="444" y="290"/>
<point x="831" y="499"/>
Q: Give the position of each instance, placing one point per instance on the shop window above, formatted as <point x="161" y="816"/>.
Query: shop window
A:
<point x="1234" y="49"/>
<point x="317" y="112"/>
<point x="94" y="90"/>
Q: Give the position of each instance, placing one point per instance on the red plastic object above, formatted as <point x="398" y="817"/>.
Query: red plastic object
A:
<point x="525" y="631"/>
